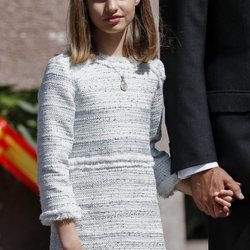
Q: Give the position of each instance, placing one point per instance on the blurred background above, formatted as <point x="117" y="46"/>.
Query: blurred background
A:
<point x="31" y="32"/>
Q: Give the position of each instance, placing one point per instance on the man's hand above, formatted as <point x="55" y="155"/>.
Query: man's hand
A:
<point x="206" y="183"/>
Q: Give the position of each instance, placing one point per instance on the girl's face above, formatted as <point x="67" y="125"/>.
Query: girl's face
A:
<point x="111" y="16"/>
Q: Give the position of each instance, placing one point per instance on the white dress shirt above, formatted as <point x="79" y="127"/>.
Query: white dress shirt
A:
<point x="186" y="173"/>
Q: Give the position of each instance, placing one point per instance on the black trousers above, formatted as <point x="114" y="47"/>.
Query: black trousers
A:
<point x="232" y="139"/>
<point x="232" y="233"/>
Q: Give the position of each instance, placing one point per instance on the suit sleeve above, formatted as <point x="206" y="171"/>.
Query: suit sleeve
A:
<point x="187" y="115"/>
<point x="55" y="139"/>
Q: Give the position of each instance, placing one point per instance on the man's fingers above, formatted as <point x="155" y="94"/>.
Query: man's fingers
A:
<point x="232" y="185"/>
<point x="221" y="211"/>
<point x="226" y="210"/>
<point x="209" y="207"/>
<point x="212" y="211"/>
<point x="201" y="204"/>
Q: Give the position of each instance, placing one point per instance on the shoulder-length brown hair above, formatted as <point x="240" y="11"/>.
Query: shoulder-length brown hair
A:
<point x="141" y="41"/>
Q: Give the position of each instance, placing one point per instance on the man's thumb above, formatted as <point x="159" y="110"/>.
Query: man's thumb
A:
<point x="234" y="186"/>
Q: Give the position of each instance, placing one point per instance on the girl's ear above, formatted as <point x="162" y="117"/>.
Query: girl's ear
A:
<point x="137" y="2"/>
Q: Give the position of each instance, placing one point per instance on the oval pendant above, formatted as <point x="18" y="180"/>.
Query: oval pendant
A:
<point x="124" y="86"/>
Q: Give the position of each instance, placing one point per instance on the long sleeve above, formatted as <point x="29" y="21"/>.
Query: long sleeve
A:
<point x="55" y="139"/>
<point x="165" y="182"/>
<point x="187" y="114"/>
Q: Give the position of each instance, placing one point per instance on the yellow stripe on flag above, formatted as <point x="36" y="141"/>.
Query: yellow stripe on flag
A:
<point x="21" y="159"/>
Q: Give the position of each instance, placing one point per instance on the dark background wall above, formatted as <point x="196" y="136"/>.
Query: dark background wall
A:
<point x="20" y="228"/>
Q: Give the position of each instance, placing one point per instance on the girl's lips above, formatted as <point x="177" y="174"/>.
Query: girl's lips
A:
<point x="113" y="19"/>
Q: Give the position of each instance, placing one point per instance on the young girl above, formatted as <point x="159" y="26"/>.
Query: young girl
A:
<point x="100" y="111"/>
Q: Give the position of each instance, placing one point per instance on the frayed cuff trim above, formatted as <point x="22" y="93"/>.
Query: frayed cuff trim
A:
<point x="47" y="218"/>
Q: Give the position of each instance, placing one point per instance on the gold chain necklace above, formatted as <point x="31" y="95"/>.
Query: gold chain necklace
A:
<point x="123" y="84"/>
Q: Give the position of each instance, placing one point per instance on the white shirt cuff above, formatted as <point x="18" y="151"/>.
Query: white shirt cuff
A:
<point x="185" y="173"/>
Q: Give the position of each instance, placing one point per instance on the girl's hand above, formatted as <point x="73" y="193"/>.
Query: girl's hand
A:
<point x="224" y="198"/>
<point x="73" y="245"/>
<point x="68" y="236"/>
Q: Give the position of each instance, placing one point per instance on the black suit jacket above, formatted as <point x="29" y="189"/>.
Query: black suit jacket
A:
<point x="208" y="71"/>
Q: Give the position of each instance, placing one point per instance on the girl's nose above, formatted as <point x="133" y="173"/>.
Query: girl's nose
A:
<point x="111" y="6"/>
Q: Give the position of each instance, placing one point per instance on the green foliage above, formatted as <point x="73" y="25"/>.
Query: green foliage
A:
<point x="19" y="108"/>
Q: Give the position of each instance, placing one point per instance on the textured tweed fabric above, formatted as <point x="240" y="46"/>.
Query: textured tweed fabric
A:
<point x="96" y="151"/>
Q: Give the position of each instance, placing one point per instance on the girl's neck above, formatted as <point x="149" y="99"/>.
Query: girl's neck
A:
<point x="110" y="44"/>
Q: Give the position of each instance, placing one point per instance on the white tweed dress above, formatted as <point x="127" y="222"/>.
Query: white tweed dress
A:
<point x="96" y="151"/>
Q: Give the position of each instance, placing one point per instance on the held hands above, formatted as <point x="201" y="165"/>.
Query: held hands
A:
<point x="224" y="198"/>
<point x="205" y="186"/>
